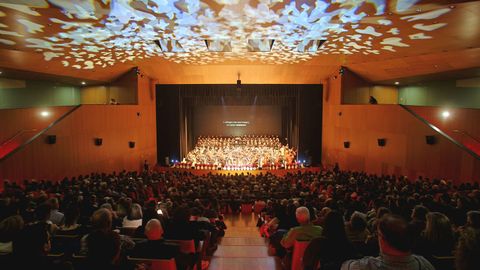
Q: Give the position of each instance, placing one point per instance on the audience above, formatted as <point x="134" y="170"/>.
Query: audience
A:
<point x="332" y="248"/>
<point x="395" y="243"/>
<point x="389" y="214"/>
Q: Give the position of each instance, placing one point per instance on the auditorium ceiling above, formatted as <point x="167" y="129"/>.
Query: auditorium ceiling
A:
<point x="266" y="41"/>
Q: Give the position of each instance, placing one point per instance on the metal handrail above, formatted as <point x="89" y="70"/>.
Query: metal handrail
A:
<point x="423" y="120"/>
<point x="41" y="132"/>
<point x="466" y="134"/>
<point x="20" y="132"/>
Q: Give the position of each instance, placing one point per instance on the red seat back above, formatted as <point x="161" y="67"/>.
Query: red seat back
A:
<point x="154" y="264"/>
<point x="186" y="246"/>
<point x="298" y="251"/>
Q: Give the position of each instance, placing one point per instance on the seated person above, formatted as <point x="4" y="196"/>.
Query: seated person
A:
<point x="155" y="246"/>
<point x="395" y="244"/>
<point x="305" y="232"/>
<point x="103" y="250"/>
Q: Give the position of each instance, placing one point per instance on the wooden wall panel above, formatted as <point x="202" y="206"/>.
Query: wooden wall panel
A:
<point x="14" y="120"/>
<point x="406" y="152"/>
<point x="75" y="152"/>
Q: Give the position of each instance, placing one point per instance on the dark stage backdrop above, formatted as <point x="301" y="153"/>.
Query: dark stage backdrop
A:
<point x="294" y="112"/>
<point x="237" y="120"/>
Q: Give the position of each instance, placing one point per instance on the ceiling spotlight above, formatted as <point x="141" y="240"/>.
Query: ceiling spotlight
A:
<point x="397" y="83"/>
<point x="445" y="114"/>
<point x="45" y="113"/>
<point x="83" y="83"/>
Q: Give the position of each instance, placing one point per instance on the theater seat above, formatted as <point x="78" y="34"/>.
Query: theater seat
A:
<point x="298" y="251"/>
<point x="443" y="262"/>
<point x="247" y="208"/>
<point x="186" y="246"/>
<point x="154" y="264"/>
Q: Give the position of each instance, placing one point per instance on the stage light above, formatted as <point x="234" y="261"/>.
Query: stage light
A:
<point x="45" y="113"/>
<point x="445" y="114"/>
<point x="397" y="83"/>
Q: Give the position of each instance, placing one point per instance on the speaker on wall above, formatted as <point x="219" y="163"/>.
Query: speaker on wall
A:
<point x="51" y="139"/>
<point x="98" y="141"/>
<point x="430" y="139"/>
<point x="131" y="144"/>
<point x="346" y="144"/>
<point x="382" y="142"/>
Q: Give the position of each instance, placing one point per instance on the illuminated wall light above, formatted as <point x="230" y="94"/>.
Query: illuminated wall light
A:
<point x="397" y="83"/>
<point x="45" y="114"/>
<point x="83" y="83"/>
<point x="445" y="114"/>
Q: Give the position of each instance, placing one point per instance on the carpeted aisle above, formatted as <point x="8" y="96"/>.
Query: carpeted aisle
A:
<point x="242" y="248"/>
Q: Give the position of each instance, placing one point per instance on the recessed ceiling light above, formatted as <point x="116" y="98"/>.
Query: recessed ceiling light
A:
<point x="45" y="113"/>
<point x="397" y="83"/>
<point x="445" y="114"/>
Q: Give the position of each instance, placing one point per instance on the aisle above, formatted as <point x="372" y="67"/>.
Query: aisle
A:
<point x="242" y="248"/>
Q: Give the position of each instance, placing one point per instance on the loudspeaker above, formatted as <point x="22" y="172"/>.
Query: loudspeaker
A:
<point x="382" y="142"/>
<point x="430" y="139"/>
<point x="131" y="144"/>
<point x="98" y="141"/>
<point x="51" y="139"/>
<point x="346" y="144"/>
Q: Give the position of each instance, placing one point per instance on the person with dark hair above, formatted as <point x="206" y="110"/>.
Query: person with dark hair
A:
<point x="395" y="241"/>
<point x="181" y="228"/>
<point x="103" y="250"/>
<point x="31" y="247"/>
<point x="332" y="248"/>
<point x="70" y="225"/>
<point x="438" y="238"/>
<point x="468" y="250"/>
<point x="356" y="229"/>
<point x="10" y="228"/>
<point x="418" y="222"/>
<point x="473" y="220"/>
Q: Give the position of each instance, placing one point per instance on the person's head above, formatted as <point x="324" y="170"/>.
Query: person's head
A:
<point x="334" y="227"/>
<point x="42" y="212"/>
<point x="54" y="204"/>
<point x="438" y="228"/>
<point x="419" y="213"/>
<point x="103" y="247"/>
<point x="135" y="212"/>
<point x="181" y="215"/>
<point x="382" y="211"/>
<point x="358" y="221"/>
<point x="467" y="250"/>
<point x="473" y="219"/>
<point x="72" y="214"/>
<point x="303" y="215"/>
<point x="102" y="220"/>
<point x="10" y="228"/>
<point x="154" y="230"/>
<point x="394" y="237"/>
<point x="32" y="241"/>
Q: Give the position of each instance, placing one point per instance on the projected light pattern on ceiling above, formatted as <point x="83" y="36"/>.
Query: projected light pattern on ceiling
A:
<point x="86" y="34"/>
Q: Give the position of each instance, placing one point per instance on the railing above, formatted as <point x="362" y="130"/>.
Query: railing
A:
<point x="439" y="131"/>
<point x="6" y="152"/>
<point x="18" y="134"/>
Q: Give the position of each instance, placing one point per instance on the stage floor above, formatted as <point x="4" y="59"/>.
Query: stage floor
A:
<point x="233" y="172"/>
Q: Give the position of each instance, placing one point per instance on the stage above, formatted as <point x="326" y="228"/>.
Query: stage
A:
<point x="278" y="172"/>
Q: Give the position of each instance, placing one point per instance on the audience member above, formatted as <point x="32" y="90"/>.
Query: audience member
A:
<point x="395" y="244"/>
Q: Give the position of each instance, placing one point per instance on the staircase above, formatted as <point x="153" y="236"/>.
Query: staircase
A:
<point x="462" y="138"/>
<point x="24" y="137"/>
